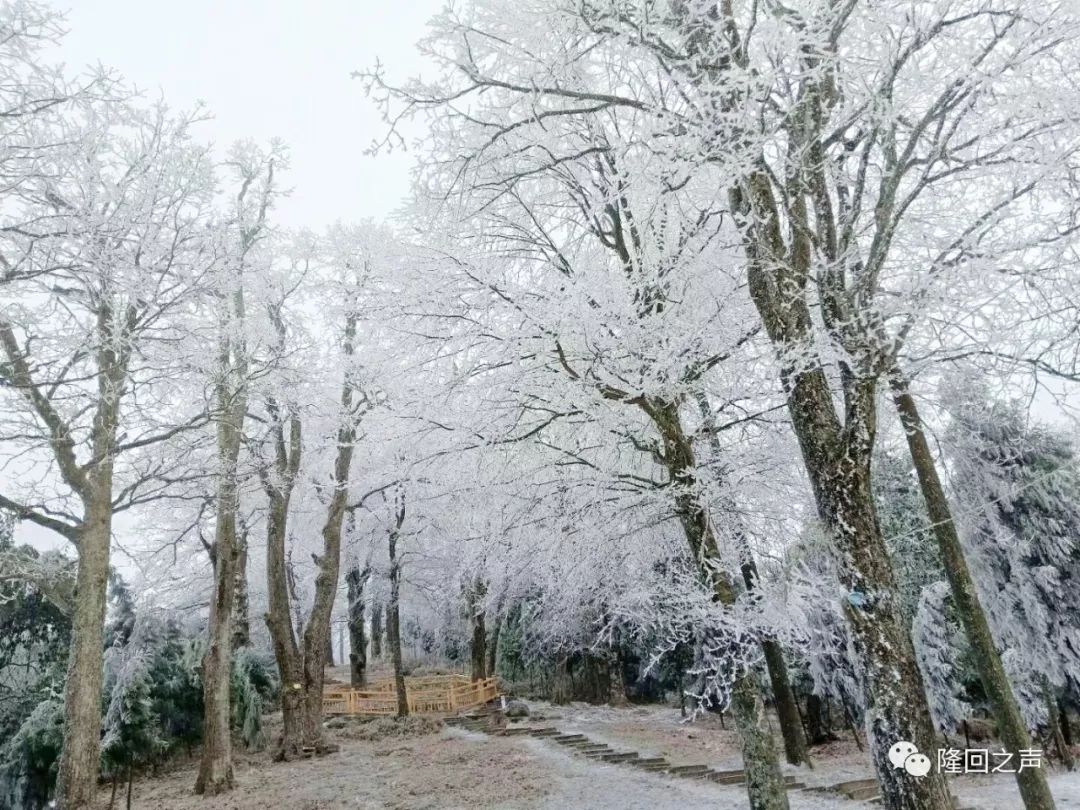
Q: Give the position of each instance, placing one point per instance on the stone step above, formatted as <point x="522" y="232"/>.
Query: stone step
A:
<point x="705" y="774"/>
<point x="653" y="767"/>
<point x="544" y="732"/>
<point x="854" y="783"/>
<point x="687" y="770"/>
<point x="862" y="793"/>
<point x="626" y="757"/>
<point x="727" y="778"/>
<point x="513" y="732"/>
<point x="568" y="738"/>
<point x="650" y="761"/>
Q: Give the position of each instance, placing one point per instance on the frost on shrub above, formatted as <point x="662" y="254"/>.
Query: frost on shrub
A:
<point x="29" y="759"/>
<point x="939" y="645"/>
<point x="254" y="686"/>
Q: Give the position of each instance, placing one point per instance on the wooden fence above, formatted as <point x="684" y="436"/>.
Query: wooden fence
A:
<point x="425" y="695"/>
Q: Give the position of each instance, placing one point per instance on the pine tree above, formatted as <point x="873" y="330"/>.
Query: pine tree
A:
<point x="1019" y="484"/>
<point x="906" y="526"/>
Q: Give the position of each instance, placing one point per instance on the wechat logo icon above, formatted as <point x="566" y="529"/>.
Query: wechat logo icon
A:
<point x="905" y="755"/>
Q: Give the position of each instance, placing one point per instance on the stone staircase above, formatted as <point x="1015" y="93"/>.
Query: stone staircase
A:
<point x="866" y="790"/>
<point x="483" y="722"/>
<point x="490" y="720"/>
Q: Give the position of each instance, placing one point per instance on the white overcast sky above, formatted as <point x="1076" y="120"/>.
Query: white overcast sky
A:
<point x="271" y="68"/>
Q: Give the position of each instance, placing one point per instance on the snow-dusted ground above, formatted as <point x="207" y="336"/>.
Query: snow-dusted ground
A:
<point x="461" y="770"/>
<point x="660" y="731"/>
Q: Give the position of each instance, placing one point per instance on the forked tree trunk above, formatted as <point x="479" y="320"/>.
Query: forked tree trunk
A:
<point x="302" y="662"/>
<point x="376" y="630"/>
<point x="764" y="780"/>
<point x="80" y="755"/>
<point x="837" y="460"/>
<point x="1034" y="789"/>
<point x="215" y="767"/>
<point x="317" y="632"/>
<point x="836" y="455"/>
<point x="787" y="709"/>
<point x="81" y="750"/>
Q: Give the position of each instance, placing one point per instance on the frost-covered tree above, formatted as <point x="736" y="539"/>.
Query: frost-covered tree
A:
<point x="860" y="159"/>
<point x="107" y="254"/>
<point x="1018" y="484"/>
<point x="246" y="224"/>
<point x="908" y="535"/>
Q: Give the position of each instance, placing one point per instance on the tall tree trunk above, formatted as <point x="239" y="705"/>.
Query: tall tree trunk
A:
<point x="764" y="781"/>
<point x="328" y="653"/>
<point x="815" y="720"/>
<point x="241" y="621"/>
<point x="393" y="640"/>
<point x="787" y="711"/>
<point x="302" y="662"/>
<point x="393" y="615"/>
<point x="317" y="632"/>
<point x="80" y="756"/>
<point x="1063" y="721"/>
<point x="1055" y="729"/>
<point x="1034" y="789"/>
<point x="837" y="460"/>
<point x="215" y="767"/>
<point x="355" y="580"/>
<point x="231" y="400"/>
<point x="478" y="646"/>
<point x="376" y="630"/>
<point x="279" y="619"/>
<point x="493" y="645"/>
<point x="616" y="680"/>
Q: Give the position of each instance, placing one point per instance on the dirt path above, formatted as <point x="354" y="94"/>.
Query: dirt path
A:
<point x="448" y="770"/>
<point x="454" y="769"/>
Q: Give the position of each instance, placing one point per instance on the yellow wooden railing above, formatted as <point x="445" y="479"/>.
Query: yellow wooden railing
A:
<point x="425" y="695"/>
